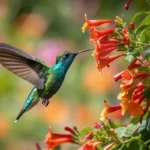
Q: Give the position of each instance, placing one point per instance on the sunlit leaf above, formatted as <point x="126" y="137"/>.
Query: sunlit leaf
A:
<point x="131" y="128"/>
<point x="139" y="15"/>
<point x="146" y="21"/>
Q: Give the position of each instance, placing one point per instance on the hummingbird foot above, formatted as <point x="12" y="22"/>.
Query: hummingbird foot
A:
<point x="45" y="102"/>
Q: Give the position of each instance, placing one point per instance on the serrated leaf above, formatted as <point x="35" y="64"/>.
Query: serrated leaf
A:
<point x="131" y="128"/>
<point x="146" y="93"/>
<point x="120" y="131"/>
<point x="139" y="15"/>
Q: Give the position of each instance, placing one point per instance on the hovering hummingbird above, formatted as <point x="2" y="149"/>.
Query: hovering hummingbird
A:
<point x="46" y="80"/>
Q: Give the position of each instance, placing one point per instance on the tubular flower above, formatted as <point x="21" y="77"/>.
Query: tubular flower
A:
<point x="135" y="63"/>
<point x="126" y="40"/>
<point x="55" y="139"/>
<point x="124" y="97"/>
<point x="96" y="34"/>
<point x="108" y="109"/>
<point x="131" y="25"/>
<point x="135" y="109"/>
<point x="132" y="102"/>
<point x="105" y="42"/>
<point x="90" y="23"/>
<point x="103" y="62"/>
<point x="88" y="136"/>
<point x="124" y="31"/>
<point x="90" y="145"/>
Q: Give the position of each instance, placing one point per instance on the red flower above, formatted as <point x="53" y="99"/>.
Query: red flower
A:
<point x="135" y="63"/>
<point x="126" y="40"/>
<point x="135" y="109"/>
<point x="132" y="25"/>
<point x="127" y="77"/>
<point x="96" y="34"/>
<point x="103" y="62"/>
<point x="108" y="109"/>
<point x="90" y="23"/>
<point x="124" y="31"/>
<point x="126" y="6"/>
<point x="55" y="139"/>
<point x="96" y="125"/>
<point x="88" y="136"/>
<point x="90" y="145"/>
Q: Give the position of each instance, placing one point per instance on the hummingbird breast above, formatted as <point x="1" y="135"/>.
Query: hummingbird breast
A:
<point x="52" y="85"/>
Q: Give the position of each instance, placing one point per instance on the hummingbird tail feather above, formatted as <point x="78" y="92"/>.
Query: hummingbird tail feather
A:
<point x="31" y="101"/>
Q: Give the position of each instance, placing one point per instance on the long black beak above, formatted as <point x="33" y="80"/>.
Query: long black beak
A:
<point x="85" y="50"/>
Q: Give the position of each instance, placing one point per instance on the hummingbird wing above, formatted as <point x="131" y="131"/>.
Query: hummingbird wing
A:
<point x="23" y="65"/>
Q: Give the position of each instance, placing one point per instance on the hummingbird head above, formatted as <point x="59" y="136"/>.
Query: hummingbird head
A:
<point x="65" y="59"/>
<point x="67" y="56"/>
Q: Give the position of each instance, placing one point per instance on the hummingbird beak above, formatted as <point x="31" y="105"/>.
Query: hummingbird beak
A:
<point x="85" y="50"/>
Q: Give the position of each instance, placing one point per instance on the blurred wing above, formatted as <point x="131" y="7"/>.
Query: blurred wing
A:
<point x="23" y="65"/>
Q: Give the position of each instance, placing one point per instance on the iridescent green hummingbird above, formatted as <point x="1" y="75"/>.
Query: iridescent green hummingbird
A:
<point x="46" y="80"/>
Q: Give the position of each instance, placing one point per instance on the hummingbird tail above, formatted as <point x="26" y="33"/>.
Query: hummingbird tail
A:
<point x="31" y="101"/>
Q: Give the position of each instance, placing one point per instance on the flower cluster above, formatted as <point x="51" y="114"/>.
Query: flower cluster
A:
<point x="55" y="139"/>
<point x="127" y="41"/>
<point x="120" y="39"/>
<point x="94" y="138"/>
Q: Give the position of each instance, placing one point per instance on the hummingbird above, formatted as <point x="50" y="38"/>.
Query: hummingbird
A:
<point x="46" y="80"/>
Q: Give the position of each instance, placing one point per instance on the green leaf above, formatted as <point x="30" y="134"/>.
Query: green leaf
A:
<point x="134" y="145"/>
<point x="148" y="122"/>
<point x="144" y="36"/>
<point x="135" y="119"/>
<point x="99" y="148"/>
<point x="120" y="131"/>
<point x="139" y="15"/>
<point x="58" y="147"/>
<point x="142" y="127"/>
<point x="140" y="29"/>
<point x="131" y="128"/>
<point x="129" y="58"/>
<point x="146" y="21"/>
<point x="146" y="93"/>
<point x="116" y="147"/>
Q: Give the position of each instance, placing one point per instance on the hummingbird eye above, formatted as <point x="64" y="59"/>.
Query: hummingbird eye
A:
<point x="66" y="55"/>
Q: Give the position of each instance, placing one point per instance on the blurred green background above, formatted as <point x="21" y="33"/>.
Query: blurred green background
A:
<point x="43" y="28"/>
